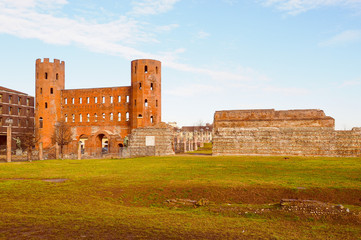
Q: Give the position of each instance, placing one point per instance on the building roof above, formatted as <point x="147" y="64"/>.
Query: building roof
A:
<point x="11" y="90"/>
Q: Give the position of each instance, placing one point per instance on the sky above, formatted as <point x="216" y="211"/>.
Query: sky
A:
<point x="215" y="54"/>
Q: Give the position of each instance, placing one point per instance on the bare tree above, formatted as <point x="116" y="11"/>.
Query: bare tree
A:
<point x="28" y="141"/>
<point x="200" y="123"/>
<point x="61" y="135"/>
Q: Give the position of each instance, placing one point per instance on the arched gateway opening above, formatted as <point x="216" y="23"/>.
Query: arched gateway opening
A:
<point x="102" y="143"/>
<point x="83" y="139"/>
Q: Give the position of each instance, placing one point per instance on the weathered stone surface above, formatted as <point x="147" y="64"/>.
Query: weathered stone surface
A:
<point x="270" y="132"/>
<point x="160" y="133"/>
<point x="272" y="118"/>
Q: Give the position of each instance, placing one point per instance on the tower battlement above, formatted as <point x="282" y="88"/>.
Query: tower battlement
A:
<point x="46" y="60"/>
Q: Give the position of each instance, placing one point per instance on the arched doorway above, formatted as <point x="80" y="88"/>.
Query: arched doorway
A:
<point x="120" y="147"/>
<point x="103" y="143"/>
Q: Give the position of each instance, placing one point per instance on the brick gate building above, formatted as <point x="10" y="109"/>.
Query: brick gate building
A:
<point x="99" y="118"/>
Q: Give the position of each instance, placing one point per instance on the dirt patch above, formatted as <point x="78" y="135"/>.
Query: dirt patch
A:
<point x="148" y="195"/>
<point x="55" y="180"/>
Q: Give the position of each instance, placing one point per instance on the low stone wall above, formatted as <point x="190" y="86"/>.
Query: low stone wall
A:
<point x="151" y="141"/>
<point x="287" y="141"/>
<point x="294" y="132"/>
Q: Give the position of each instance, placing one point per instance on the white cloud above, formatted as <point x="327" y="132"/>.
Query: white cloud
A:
<point x="24" y="19"/>
<point x="166" y="28"/>
<point x="202" y="35"/>
<point x="231" y="2"/>
<point x="345" y="37"/>
<point x="351" y="83"/>
<point x="152" y="7"/>
<point x="295" y="7"/>
<point x="25" y="4"/>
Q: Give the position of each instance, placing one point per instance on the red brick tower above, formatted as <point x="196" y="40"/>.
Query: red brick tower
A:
<point x="50" y="80"/>
<point x="145" y="96"/>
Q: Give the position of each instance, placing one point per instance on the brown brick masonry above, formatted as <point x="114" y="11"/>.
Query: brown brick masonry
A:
<point x="293" y="132"/>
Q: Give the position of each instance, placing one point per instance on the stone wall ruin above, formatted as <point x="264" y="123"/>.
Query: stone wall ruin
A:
<point x="150" y="141"/>
<point x="292" y="132"/>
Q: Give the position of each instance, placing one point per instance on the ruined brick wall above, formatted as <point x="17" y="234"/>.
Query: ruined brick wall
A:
<point x="295" y="132"/>
<point x="272" y="118"/>
<point x="163" y="139"/>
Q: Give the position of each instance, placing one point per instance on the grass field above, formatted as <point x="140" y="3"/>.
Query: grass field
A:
<point x="127" y="198"/>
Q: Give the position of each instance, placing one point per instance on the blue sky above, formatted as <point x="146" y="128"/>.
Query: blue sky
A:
<point x="216" y="54"/>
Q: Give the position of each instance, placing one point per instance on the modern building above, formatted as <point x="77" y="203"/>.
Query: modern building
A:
<point x="19" y="107"/>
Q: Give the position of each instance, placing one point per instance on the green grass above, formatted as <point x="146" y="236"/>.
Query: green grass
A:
<point x="206" y="149"/>
<point x="125" y="198"/>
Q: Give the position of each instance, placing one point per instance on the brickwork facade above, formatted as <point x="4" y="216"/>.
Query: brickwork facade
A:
<point x="293" y="132"/>
<point x="19" y="107"/>
<point x="100" y="118"/>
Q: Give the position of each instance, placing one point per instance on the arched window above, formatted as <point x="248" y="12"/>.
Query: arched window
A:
<point x="140" y="116"/>
<point x="103" y="99"/>
<point x="111" y="116"/>
<point x="127" y="116"/>
<point x="151" y="86"/>
<point x="40" y="122"/>
<point x="135" y="69"/>
<point x="73" y="117"/>
<point x="46" y="105"/>
<point x="140" y="86"/>
<point x="111" y="99"/>
<point x="88" y="117"/>
<point x="51" y="91"/>
<point x="41" y="90"/>
<point x="119" y="98"/>
<point x="66" y="100"/>
<point x="95" y="117"/>
<point x="151" y="119"/>
<point x="156" y="70"/>
<point x="80" y="100"/>
<point x="46" y="75"/>
<point x="80" y="118"/>
<point x="103" y="116"/>
<point x="119" y="117"/>
<point x="145" y="68"/>
<point x="66" y="117"/>
<point x="146" y="103"/>
<point x="156" y="103"/>
<point x="57" y="76"/>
